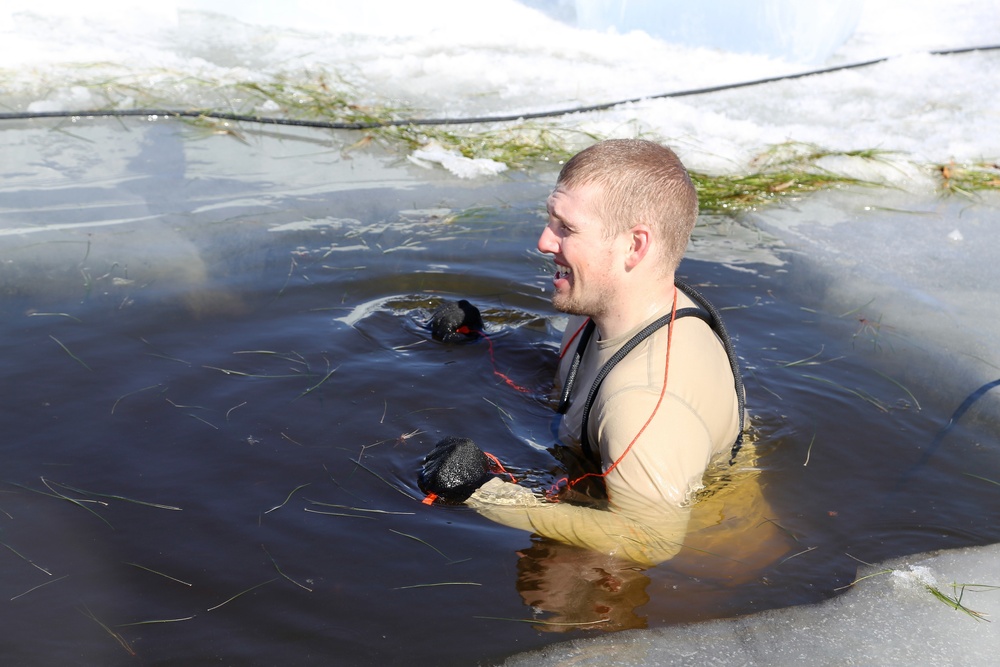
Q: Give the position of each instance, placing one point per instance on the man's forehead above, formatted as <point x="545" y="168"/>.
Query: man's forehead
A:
<point x="556" y="201"/>
<point x="552" y="199"/>
<point x="581" y="193"/>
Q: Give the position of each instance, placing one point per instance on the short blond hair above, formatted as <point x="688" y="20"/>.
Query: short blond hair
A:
<point x="641" y="181"/>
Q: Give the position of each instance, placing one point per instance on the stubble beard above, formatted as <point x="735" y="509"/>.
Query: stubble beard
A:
<point x="571" y="304"/>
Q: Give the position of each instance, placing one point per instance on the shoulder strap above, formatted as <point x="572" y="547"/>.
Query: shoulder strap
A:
<point x="720" y="330"/>
<point x="581" y="345"/>
<point x="622" y="352"/>
<point x="710" y="315"/>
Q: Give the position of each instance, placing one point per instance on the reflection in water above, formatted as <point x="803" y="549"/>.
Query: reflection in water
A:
<point x="730" y="540"/>
<point x="578" y="587"/>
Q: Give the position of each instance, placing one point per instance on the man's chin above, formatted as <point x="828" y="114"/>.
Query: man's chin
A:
<point x="567" y="305"/>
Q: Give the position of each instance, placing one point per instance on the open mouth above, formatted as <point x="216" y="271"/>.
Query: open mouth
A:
<point x="563" y="272"/>
<point x="562" y="276"/>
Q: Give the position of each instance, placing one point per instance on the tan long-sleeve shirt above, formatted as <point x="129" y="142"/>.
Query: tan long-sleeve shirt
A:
<point x="652" y="513"/>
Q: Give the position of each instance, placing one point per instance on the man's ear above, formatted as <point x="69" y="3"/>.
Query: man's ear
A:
<point x="641" y="239"/>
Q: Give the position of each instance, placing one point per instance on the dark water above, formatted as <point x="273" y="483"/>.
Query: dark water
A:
<point x="213" y="417"/>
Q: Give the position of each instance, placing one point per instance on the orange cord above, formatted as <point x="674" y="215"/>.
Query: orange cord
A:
<point x="498" y="467"/>
<point x="663" y="391"/>
<point x="493" y="361"/>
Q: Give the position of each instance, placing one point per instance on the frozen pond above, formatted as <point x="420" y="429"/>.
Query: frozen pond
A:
<point x="219" y="393"/>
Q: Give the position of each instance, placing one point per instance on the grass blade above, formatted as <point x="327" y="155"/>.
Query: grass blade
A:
<point x="350" y="516"/>
<point x="117" y="637"/>
<point x="414" y="537"/>
<point x="279" y="570"/>
<point x="289" y="497"/>
<point x="440" y="583"/>
<point x="165" y="576"/>
<point x="132" y="393"/>
<point x="908" y="392"/>
<point x="384" y="480"/>
<point x="809" y="450"/>
<point x="35" y="588"/>
<point x="807" y="361"/>
<point x="358" y="509"/>
<point x="66" y="350"/>
<point x="56" y="494"/>
<point x="242" y="593"/>
<point x="317" y="385"/>
<point x="76" y="319"/>
<point x="25" y="558"/>
<point x="985" y="479"/>
<point x="860" y="394"/>
<point x="228" y="371"/>
<point x="156" y="621"/>
<point x="860" y="579"/>
<point x="955" y="601"/>
<point x="114" y="497"/>
<point x="804" y="551"/>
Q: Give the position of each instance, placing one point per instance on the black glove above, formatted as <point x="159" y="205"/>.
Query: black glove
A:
<point x="456" y="322"/>
<point x="454" y="469"/>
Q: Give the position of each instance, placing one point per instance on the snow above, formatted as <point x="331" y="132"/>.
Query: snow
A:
<point x="439" y="58"/>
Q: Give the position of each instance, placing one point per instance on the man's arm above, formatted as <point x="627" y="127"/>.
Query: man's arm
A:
<point x="649" y="490"/>
<point x="655" y="536"/>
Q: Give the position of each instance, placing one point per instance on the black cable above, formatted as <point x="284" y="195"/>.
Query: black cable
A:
<point x="369" y="125"/>
<point x="959" y="412"/>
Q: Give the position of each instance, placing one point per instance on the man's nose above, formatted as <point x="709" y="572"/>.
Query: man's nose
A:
<point x="547" y="242"/>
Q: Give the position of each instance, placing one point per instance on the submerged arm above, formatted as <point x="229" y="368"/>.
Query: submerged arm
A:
<point x="652" y="538"/>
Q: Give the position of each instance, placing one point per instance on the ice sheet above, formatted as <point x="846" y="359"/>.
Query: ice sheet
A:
<point x="890" y="618"/>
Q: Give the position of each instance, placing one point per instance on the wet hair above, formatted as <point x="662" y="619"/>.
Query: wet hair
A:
<point x="641" y="181"/>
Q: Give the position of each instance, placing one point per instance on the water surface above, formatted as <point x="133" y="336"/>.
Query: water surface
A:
<point x="218" y="390"/>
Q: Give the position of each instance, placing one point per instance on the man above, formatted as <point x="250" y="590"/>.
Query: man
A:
<point x="620" y="218"/>
<point x="649" y="393"/>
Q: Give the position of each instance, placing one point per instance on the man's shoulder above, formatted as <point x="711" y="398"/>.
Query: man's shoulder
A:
<point x="693" y="348"/>
<point x="697" y="372"/>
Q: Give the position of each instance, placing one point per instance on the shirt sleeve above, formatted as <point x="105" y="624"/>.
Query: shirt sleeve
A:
<point x="725" y="534"/>
<point x="649" y="539"/>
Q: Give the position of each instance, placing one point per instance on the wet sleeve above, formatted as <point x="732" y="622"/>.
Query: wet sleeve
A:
<point x="649" y="539"/>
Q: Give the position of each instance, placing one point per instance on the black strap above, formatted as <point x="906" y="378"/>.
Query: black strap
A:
<point x="720" y="330"/>
<point x="588" y="331"/>
<point x="709" y="315"/>
<point x="622" y="352"/>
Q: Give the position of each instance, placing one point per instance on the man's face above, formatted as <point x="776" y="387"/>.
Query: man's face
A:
<point x="585" y="267"/>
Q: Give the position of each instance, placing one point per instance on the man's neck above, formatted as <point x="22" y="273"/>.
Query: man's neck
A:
<point x="635" y="307"/>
